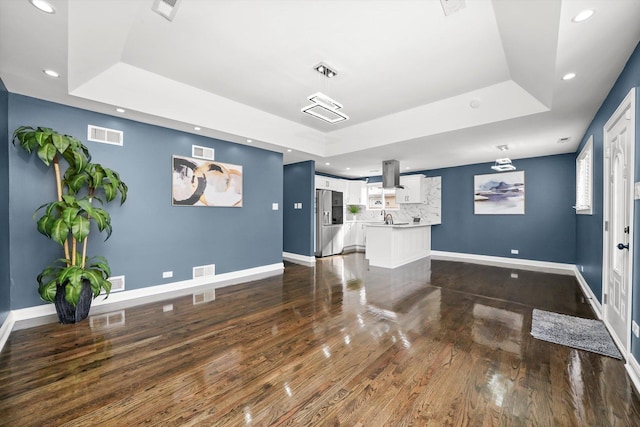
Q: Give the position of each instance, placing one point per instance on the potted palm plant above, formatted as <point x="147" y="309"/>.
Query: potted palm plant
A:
<point x="353" y="209"/>
<point x="71" y="282"/>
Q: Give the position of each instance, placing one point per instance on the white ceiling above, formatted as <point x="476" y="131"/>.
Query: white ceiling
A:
<point x="243" y="69"/>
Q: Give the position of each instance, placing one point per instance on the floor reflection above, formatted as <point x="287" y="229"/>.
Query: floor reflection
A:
<point x="497" y="328"/>
<point x="341" y="343"/>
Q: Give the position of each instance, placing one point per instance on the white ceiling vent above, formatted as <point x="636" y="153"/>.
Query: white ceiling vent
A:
<point x="204" y="271"/>
<point x="166" y="8"/>
<point x="205" y="153"/>
<point x="206" y="296"/>
<point x="452" y="6"/>
<point x="104" y="135"/>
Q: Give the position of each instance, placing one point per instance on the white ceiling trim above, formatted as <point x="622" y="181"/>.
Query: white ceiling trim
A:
<point x="503" y="101"/>
<point x="135" y="89"/>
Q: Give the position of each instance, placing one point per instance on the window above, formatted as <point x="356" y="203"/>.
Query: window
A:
<point x="584" y="179"/>
<point x="379" y="198"/>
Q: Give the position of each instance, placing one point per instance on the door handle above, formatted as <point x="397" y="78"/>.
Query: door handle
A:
<point x="621" y="246"/>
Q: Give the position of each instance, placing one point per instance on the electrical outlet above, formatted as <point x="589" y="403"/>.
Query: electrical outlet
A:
<point x="582" y="269"/>
<point x="515" y="251"/>
<point x="514" y="275"/>
<point x="168" y="307"/>
<point x="274" y="206"/>
<point x="167" y="274"/>
<point x="635" y="329"/>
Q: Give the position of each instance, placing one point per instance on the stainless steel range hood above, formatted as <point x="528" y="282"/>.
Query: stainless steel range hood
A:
<point x="391" y="174"/>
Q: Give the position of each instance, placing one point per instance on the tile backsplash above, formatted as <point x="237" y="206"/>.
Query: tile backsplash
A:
<point x="429" y="212"/>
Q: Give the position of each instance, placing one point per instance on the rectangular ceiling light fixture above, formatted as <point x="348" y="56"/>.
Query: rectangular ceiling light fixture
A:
<point x="325" y="108"/>
<point x="503" y="165"/>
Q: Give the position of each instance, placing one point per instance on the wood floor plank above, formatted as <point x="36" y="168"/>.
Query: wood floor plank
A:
<point x="433" y="343"/>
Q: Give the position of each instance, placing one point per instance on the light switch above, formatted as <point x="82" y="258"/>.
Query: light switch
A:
<point x="636" y="190"/>
<point x="274" y="206"/>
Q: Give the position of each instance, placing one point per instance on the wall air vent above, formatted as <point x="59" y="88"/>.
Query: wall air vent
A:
<point x="117" y="283"/>
<point x="204" y="271"/>
<point x="104" y="135"/>
<point x="205" y="153"/>
<point x="166" y="8"/>
<point x="206" y="296"/>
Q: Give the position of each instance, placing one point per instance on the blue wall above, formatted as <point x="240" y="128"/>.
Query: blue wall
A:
<point x="589" y="227"/>
<point x="299" y="223"/>
<point x="149" y="234"/>
<point x="546" y="232"/>
<point x="5" y="287"/>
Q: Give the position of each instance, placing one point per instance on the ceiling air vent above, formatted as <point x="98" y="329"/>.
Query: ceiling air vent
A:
<point x="166" y="8"/>
<point x="105" y="136"/>
<point x="205" y="153"/>
<point x="452" y="6"/>
<point x="204" y="271"/>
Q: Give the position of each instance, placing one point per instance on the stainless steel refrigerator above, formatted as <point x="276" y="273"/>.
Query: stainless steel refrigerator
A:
<point x="329" y="213"/>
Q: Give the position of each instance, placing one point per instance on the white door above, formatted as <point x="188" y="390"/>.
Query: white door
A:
<point x="618" y="205"/>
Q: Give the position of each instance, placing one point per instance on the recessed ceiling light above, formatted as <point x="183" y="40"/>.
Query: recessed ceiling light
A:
<point x="197" y="128"/>
<point x="503" y="147"/>
<point x="288" y="150"/>
<point x="583" y="16"/>
<point x="51" y="73"/>
<point x="327" y="164"/>
<point x="249" y="140"/>
<point x="120" y="110"/>
<point x="43" y="5"/>
<point x="474" y="103"/>
<point x="348" y="169"/>
<point x="568" y="76"/>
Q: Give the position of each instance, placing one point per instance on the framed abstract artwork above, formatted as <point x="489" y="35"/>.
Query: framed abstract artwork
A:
<point x="499" y="193"/>
<point x="197" y="182"/>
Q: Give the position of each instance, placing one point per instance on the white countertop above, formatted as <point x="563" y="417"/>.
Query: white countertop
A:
<point x="409" y="225"/>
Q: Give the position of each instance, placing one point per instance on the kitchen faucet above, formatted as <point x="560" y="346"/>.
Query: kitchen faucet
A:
<point x="388" y="219"/>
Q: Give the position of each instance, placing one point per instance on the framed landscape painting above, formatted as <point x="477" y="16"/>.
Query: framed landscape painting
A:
<point x="499" y="193"/>
<point x="197" y="182"/>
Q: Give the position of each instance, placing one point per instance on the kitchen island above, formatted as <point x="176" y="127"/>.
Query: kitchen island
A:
<point x="393" y="245"/>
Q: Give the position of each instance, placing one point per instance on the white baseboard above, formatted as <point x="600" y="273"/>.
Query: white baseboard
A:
<point x="309" y="261"/>
<point x="633" y="369"/>
<point x="160" y="291"/>
<point x="595" y="304"/>
<point x="522" y="264"/>
<point x="5" y="329"/>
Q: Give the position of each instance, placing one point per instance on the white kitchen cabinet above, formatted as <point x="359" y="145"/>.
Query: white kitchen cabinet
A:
<point x="412" y="191"/>
<point x="356" y="193"/>
<point x="349" y="230"/>
<point x="326" y="183"/>
<point x="360" y="233"/>
<point x="354" y="236"/>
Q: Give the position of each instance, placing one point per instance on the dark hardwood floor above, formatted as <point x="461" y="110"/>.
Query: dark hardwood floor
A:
<point x="429" y="344"/>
